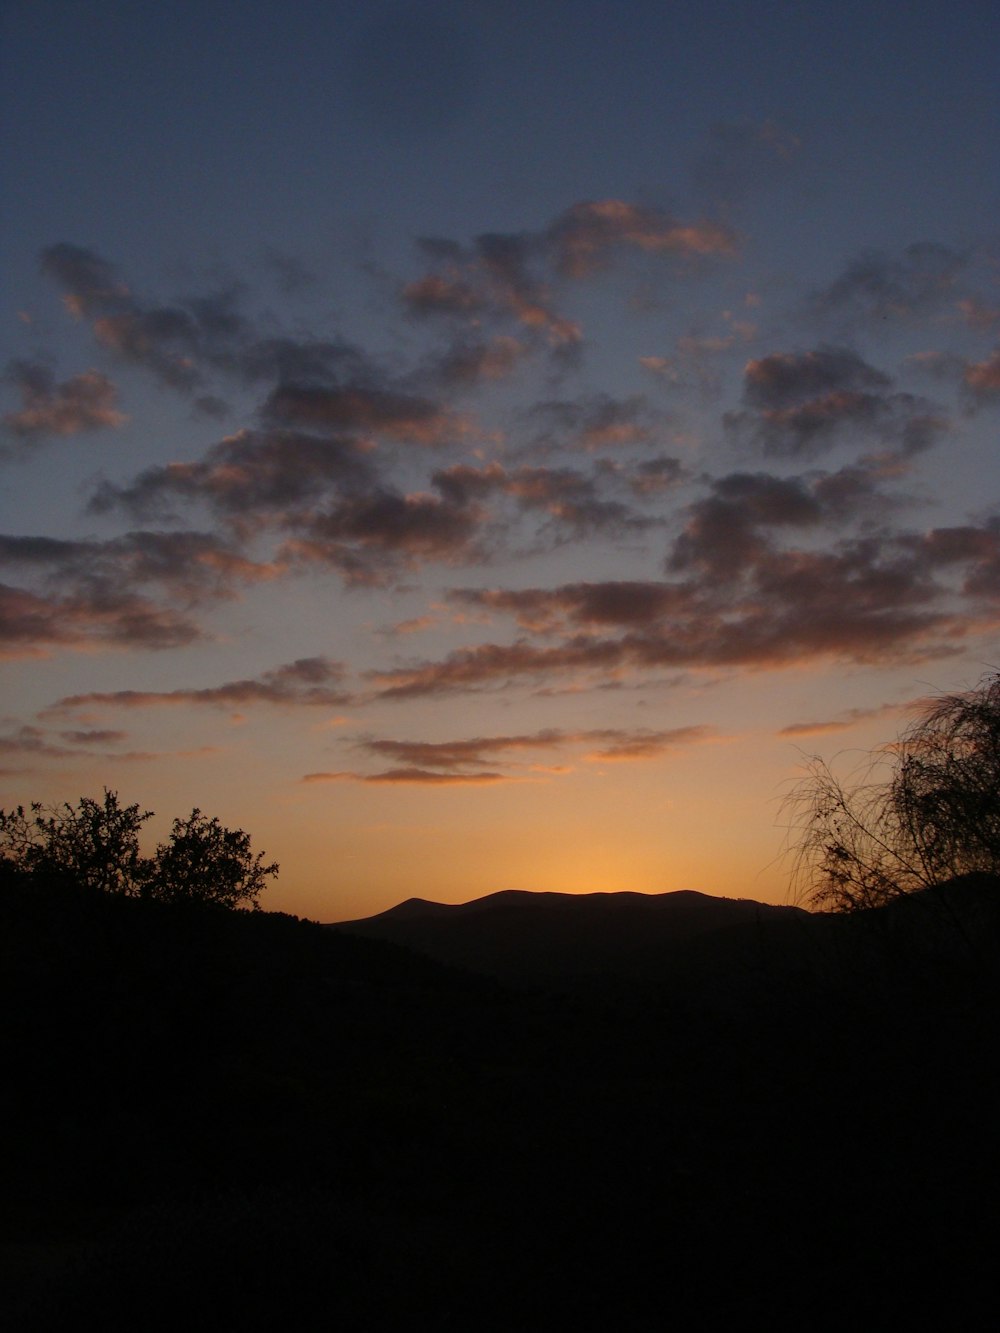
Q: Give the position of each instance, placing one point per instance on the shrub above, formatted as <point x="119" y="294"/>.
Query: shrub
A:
<point x="95" y="843"/>
<point x="926" y="810"/>
<point x="206" y="862"/>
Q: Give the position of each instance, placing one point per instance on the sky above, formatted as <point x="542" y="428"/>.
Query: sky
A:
<point x="492" y="445"/>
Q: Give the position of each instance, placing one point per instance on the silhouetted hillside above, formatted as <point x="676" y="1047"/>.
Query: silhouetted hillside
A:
<point x="721" y="951"/>
<point x="567" y="939"/>
<point x="258" y="1122"/>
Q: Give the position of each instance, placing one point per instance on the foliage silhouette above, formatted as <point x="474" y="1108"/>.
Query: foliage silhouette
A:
<point x="95" y="844"/>
<point x="205" y="861"/>
<point x="926" y="811"/>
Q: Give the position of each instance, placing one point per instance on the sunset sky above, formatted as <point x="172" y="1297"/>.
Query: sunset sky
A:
<point x="489" y="445"/>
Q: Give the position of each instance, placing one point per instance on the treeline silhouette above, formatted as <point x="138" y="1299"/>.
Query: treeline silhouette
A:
<point x="96" y="844"/>
<point x="251" y="1121"/>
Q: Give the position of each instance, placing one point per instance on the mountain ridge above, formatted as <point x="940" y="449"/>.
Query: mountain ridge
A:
<point x="542" y="938"/>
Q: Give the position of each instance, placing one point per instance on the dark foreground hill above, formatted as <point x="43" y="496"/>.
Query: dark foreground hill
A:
<point x="254" y="1122"/>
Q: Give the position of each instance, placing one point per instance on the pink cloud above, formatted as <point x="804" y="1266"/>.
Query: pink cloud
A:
<point x="85" y="402"/>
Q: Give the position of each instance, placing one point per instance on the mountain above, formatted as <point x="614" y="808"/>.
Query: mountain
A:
<point x="566" y="939"/>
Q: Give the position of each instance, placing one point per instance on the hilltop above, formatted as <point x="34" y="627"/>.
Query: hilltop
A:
<point x="566" y="939"/>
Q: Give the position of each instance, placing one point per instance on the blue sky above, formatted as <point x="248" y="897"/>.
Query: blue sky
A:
<point x="485" y="446"/>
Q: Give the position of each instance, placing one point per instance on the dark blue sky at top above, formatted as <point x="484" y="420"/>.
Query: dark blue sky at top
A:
<point x="237" y="124"/>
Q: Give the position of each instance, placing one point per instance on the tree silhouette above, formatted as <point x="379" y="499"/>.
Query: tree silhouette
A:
<point x="96" y="844"/>
<point x="206" y="862"/>
<point x="926" y="810"/>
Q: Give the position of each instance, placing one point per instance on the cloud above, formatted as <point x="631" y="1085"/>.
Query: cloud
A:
<point x="642" y="743"/>
<point x="443" y="294"/>
<point x="362" y="410"/>
<point x="475" y="759"/>
<point x="982" y="379"/>
<point x="468" y="363"/>
<point x="723" y="532"/>
<point x="852" y="717"/>
<point x="162" y="341"/>
<point x="594" y="421"/>
<point x="971" y="551"/>
<point x="84" y="402"/>
<point x="654" y="476"/>
<point x="584" y="238"/>
<point x="495" y="665"/>
<point x="82" y="593"/>
<point x="323" y="494"/>
<point x="247" y="475"/>
<point x="697" y="356"/>
<point x="807" y="623"/>
<point x="32" y="743"/>
<point x="411" y="776"/>
<point x="542" y="610"/>
<point x="801" y="402"/>
<point x="287" y="360"/>
<point x="306" y="682"/>
<point x="791" y="378"/>
<point x="734" y="525"/>
<point x="172" y="342"/>
<point x="978" y="314"/>
<point x="741" y="600"/>
<point x="504" y="276"/>
<point x="94" y="736"/>
<point x="188" y="566"/>
<point x="979" y="381"/>
<point x="824" y="422"/>
<point x="182" y="341"/>
<point x="368" y="537"/>
<point x="31" y="623"/>
<point x="497" y="277"/>
<point x="919" y="280"/>
<point x="569" y="499"/>
<point x="458" y="754"/>
<point x="90" y="284"/>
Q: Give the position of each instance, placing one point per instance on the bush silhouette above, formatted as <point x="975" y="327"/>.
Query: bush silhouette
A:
<point x="96" y="844"/>
<point x="926" y="811"/>
<point x="203" y="861"/>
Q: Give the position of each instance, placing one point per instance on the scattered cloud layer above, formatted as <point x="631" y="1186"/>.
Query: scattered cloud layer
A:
<point x="512" y="278"/>
<point x="477" y="442"/>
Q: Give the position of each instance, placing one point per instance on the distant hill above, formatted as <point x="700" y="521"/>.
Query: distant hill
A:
<point x="563" y="938"/>
<point x="706" y="948"/>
